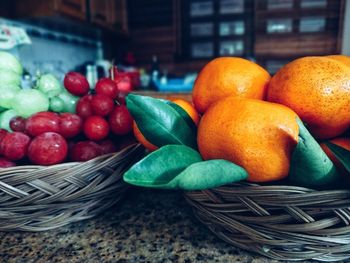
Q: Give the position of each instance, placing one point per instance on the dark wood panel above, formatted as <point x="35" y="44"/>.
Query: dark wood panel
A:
<point x="295" y="46"/>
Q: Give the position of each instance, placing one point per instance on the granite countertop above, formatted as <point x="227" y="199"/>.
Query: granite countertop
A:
<point x="147" y="226"/>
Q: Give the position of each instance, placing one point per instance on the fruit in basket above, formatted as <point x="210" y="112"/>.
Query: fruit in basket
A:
<point x="10" y="62"/>
<point x="317" y="89"/>
<point x="120" y="120"/>
<point x="14" y="145"/>
<point x="226" y="76"/>
<point x="42" y="122"/>
<point x="69" y="101"/>
<point x="29" y="101"/>
<point x="101" y="105"/>
<point x="96" y="128"/>
<point x="49" y="85"/>
<point x="70" y="125"/>
<point x="341" y="58"/>
<point x="76" y="84"/>
<point x="56" y="104"/>
<point x="108" y="87"/>
<point x="343" y="142"/>
<point x="18" y="124"/>
<point x="5" y="163"/>
<point x="47" y="149"/>
<point x="5" y="118"/>
<point x="3" y="132"/>
<point x="7" y="95"/>
<point x="9" y="78"/>
<point x="141" y="139"/>
<point x="83" y="107"/>
<point x="107" y="146"/>
<point x="84" y="150"/>
<point x="257" y="135"/>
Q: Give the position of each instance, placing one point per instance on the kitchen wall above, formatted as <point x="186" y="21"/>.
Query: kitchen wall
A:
<point x="54" y="51"/>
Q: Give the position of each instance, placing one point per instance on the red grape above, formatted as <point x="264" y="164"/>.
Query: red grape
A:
<point x="47" y="148"/>
<point x="18" y="124"/>
<point x="107" y="146"/>
<point x="120" y="120"/>
<point x="101" y="105"/>
<point x="14" y="145"/>
<point x="70" y="125"/>
<point x="76" y="83"/>
<point x="108" y="87"/>
<point x="84" y="151"/>
<point x="96" y="128"/>
<point x="4" y="163"/>
<point x="84" y="108"/>
<point x="42" y="122"/>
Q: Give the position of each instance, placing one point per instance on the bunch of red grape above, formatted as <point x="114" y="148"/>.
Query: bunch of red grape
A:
<point x="100" y="125"/>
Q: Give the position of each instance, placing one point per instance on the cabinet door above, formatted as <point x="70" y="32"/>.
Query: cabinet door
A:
<point x="118" y="18"/>
<point x="73" y="8"/>
<point x="100" y="12"/>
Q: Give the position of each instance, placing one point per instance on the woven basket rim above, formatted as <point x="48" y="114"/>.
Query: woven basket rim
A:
<point x="38" y="198"/>
<point x="280" y="222"/>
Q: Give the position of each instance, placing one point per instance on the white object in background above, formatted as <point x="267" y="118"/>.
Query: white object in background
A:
<point x="11" y="37"/>
<point x="91" y="75"/>
<point x="345" y="50"/>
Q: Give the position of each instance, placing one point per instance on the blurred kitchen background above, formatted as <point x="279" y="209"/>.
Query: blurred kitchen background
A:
<point x="162" y="44"/>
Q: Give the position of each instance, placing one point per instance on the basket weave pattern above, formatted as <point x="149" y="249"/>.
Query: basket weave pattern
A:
<point x="37" y="198"/>
<point x="280" y="222"/>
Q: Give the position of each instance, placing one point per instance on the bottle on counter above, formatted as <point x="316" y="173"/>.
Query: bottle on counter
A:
<point x="154" y="72"/>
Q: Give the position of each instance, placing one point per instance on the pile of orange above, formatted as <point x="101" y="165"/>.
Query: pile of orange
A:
<point x="250" y="118"/>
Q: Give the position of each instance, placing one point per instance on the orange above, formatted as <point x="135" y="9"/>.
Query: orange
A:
<point x="187" y="106"/>
<point x="141" y="139"/>
<point x="341" y="58"/>
<point x="318" y="90"/>
<point x="342" y="142"/>
<point x="226" y="76"/>
<point x="257" y="135"/>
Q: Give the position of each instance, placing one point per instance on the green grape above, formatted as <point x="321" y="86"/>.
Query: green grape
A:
<point x="49" y="85"/>
<point x="70" y="101"/>
<point x="10" y="62"/>
<point x="30" y="101"/>
<point x="9" y="78"/>
<point x="7" y="94"/>
<point x="5" y="118"/>
<point x="56" y="104"/>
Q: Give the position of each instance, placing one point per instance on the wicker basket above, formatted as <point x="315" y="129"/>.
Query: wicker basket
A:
<point x="37" y="198"/>
<point x="280" y="222"/>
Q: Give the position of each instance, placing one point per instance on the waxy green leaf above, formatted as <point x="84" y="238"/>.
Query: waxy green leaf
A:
<point x="158" y="168"/>
<point x="181" y="167"/>
<point x="310" y="166"/>
<point x="343" y="155"/>
<point x="209" y="174"/>
<point x="184" y="115"/>
<point x="159" y="122"/>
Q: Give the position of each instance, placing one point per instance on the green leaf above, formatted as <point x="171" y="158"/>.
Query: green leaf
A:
<point x="342" y="154"/>
<point x="158" y="168"/>
<point x="310" y="166"/>
<point x="209" y="174"/>
<point x="187" y="118"/>
<point x="159" y="122"/>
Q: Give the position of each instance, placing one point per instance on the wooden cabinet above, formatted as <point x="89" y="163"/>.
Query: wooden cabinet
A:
<point x="72" y="8"/>
<point x="108" y="14"/>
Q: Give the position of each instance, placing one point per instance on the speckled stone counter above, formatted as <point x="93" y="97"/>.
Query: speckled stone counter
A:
<point x="147" y="226"/>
